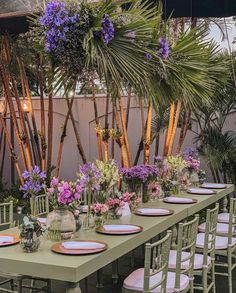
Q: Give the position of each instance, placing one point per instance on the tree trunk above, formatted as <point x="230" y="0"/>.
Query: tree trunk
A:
<point x="143" y="132"/>
<point x="124" y="156"/>
<point x="125" y="135"/>
<point x="148" y="135"/>
<point x="169" y="129"/>
<point x="50" y="128"/>
<point x="77" y="136"/>
<point x="128" y="108"/>
<point x="176" y="120"/>
<point x="113" y="139"/>
<point x="184" y="129"/>
<point x="105" y="137"/>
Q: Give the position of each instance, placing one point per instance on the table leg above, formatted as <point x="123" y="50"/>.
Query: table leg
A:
<point x="115" y="275"/>
<point x="73" y="288"/>
<point x="224" y="204"/>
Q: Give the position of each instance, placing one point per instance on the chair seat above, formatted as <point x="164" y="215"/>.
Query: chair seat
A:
<point x="221" y="228"/>
<point x="198" y="260"/>
<point x="221" y="242"/>
<point x="223" y="218"/>
<point x="135" y="281"/>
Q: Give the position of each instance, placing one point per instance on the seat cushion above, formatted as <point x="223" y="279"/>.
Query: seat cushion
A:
<point x="135" y="281"/>
<point x="221" y="228"/>
<point x="198" y="260"/>
<point x="223" y="218"/>
<point x="221" y="242"/>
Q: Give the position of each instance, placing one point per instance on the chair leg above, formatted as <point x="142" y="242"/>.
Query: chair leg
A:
<point x="86" y="285"/>
<point x="230" y="271"/>
<point x="20" y="286"/>
<point x="99" y="279"/>
<point x="204" y="280"/>
<point x="12" y="285"/>
<point x="49" y="286"/>
<point x="32" y="284"/>
<point x="213" y="277"/>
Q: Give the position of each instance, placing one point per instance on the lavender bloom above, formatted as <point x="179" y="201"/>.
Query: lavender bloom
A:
<point x="108" y="30"/>
<point x="89" y="177"/>
<point x="34" y="181"/>
<point x="164" y="48"/>
<point x="58" y="22"/>
<point x="140" y="173"/>
<point x="190" y="155"/>
<point x="190" y="151"/>
<point x="148" y="56"/>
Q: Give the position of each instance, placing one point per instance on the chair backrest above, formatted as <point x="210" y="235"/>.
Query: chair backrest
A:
<point x="232" y="220"/>
<point x="186" y="242"/>
<point x="156" y="261"/>
<point x="6" y="214"/>
<point x="39" y="205"/>
<point x="210" y="234"/>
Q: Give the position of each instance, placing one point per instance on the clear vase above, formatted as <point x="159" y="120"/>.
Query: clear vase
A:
<point x="61" y="224"/>
<point x="30" y="243"/>
<point x="176" y="188"/>
<point x="194" y="178"/>
<point x="88" y="222"/>
<point x="99" y="220"/>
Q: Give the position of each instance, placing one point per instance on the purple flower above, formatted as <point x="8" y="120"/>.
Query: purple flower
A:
<point x="107" y="32"/>
<point x="141" y="173"/>
<point x="34" y="182"/>
<point x="54" y="181"/>
<point x="89" y="177"/>
<point x="148" y="56"/>
<point x="164" y="48"/>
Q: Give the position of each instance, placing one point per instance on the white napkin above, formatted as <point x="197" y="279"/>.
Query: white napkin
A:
<point x="125" y="210"/>
<point x="148" y="211"/>
<point x="6" y="239"/>
<point x="120" y="228"/>
<point x="213" y="185"/>
<point x="178" y="199"/>
<point x="42" y="220"/>
<point x="200" y="191"/>
<point x="82" y="245"/>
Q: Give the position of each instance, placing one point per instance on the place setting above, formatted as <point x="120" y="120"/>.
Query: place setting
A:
<point x="179" y="200"/>
<point x="200" y="191"/>
<point x="213" y="185"/>
<point x="154" y="212"/>
<point x="119" y="229"/>
<point x="9" y="239"/>
<point x="79" y="247"/>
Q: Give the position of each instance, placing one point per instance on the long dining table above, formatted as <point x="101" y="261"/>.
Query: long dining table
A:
<point x="72" y="269"/>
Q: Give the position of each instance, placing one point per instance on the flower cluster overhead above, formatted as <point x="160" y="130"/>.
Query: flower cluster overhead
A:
<point x="140" y="173"/>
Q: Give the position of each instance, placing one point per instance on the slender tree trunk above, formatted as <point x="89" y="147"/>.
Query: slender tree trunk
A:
<point x="148" y="134"/>
<point x="124" y="156"/>
<point x="12" y="112"/>
<point x="63" y="135"/>
<point x="184" y="129"/>
<point x="125" y="135"/>
<point x="50" y="128"/>
<point x="3" y="153"/>
<point x="77" y="136"/>
<point x="128" y="108"/>
<point x="113" y="139"/>
<point x="169" y="129"/>
<point x="106" y="134"/>
<point x="11" y="148"/>
<point x="176" y="120"/>
<point x="42" y="115"/>
<point x="143" y="132"/>
<point x="98" y="131"/>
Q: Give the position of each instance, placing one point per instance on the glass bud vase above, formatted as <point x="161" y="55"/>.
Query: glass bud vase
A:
<point x="176" y="188"/>
<point x="194" y="178"/>
<point x="99" y="220"/>
<point x="30" y="242"/>
<point x="61" y="224"/>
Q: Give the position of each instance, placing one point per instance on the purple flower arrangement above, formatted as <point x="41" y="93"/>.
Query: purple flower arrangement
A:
<point x="107" y="32"/>
<point x="89" y="177"/>
<point x="58" y="21"/>
<point x="140" y="173"/>
<point x="190" y="155"/>
<point x="161" y="164"/>
<point x="34" y="182"/>
<point x="64" y="193"/>
<point x="164" y="48"/>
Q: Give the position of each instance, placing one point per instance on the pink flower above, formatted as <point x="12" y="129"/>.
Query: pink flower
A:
<point x="50" y="190"/>
<point x="54" y="181"/>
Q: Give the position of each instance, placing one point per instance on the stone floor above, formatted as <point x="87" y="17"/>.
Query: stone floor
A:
<point x="124" y="269"/>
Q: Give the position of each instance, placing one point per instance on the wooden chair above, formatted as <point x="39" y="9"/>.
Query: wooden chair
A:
<point x="225" y="244"/>
<point x="154" y="276"/>
<point x="182" y="259"/>
<point x="40" y="205"/>
<point x="204" y="264"/>
<point x="6" y="221"/>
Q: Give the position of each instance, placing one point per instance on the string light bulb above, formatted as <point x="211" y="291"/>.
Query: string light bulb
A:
<point x="25" y="106"/>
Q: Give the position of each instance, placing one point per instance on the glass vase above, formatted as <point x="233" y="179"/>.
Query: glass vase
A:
<point x="99" y="220"/>
<point x="176" y="188"/>
<point x="194" y="178"/>
<point x="30" y="242"/>
<point x="61" y="224"/>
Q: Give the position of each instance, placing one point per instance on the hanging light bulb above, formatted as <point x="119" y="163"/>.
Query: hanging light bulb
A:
<point x="25" y="106"/>
<point x="2" y="106"/>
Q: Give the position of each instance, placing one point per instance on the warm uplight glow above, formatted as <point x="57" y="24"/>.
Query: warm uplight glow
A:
<point x="25" y="106"/>
<point x="2" y="107"/>
<point x="71" y="94"/>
